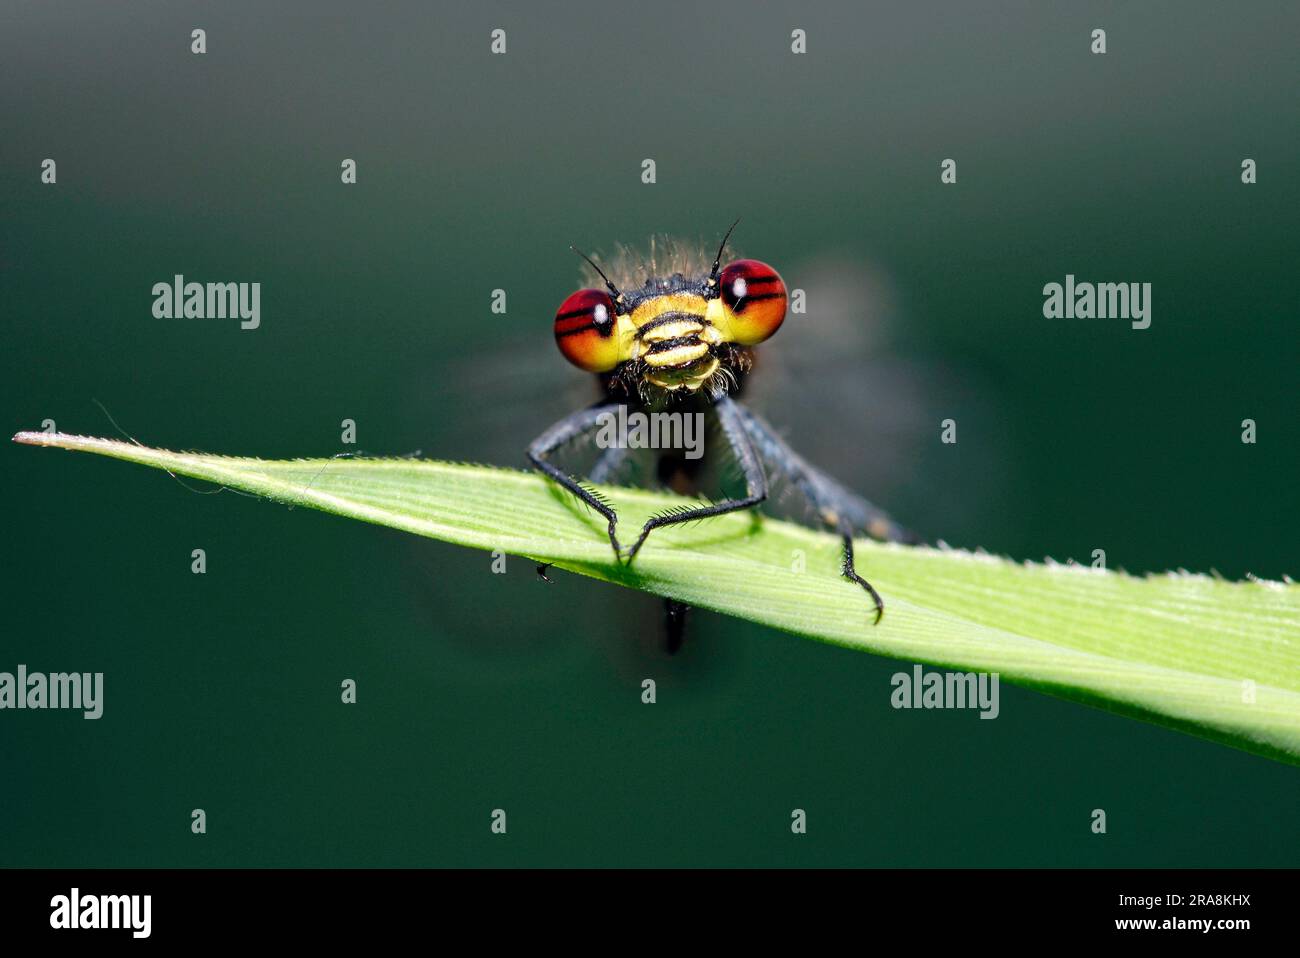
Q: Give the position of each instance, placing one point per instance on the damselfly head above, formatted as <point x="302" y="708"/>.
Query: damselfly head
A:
<point x="680" y="329"/>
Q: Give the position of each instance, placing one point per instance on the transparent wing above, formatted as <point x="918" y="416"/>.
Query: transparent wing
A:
<point x="802" y="492"/>
<point x="841" y="384"/>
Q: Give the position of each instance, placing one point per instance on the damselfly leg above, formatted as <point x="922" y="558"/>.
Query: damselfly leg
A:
<point x="755" y="481"/>
<point x="835" y="506"/>
<point x="568" y="428"/>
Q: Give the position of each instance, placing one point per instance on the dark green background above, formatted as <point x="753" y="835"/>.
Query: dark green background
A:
<point x="475" y="172"/>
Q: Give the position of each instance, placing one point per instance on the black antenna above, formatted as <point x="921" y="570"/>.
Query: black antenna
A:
<point x="713" y="274"/>
<point x="612" y="288"/>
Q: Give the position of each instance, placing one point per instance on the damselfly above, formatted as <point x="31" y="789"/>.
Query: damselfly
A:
<point x="683" y="338"/>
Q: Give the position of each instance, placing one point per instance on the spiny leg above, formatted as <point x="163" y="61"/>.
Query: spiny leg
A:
<point x="755" y="480"/>
<point x="851" y="573"/>
<point x="608" y="461"/>
<point x="566" y="429"/>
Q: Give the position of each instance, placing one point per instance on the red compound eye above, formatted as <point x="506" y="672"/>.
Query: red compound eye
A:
<point x="585" y="326"/>
<point x="754" y="295"/>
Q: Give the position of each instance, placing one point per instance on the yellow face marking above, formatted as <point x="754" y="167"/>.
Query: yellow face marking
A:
<point x="717" y="313"/>
<point x="673" y="329"/>
<point x="656" y="306"/>
<point x="678" y="318"/>
<point x="667" y="317"/>
<point x="677" y="355"/>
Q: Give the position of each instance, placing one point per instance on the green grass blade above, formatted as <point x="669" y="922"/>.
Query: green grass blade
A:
<point x="1214" y="658"/>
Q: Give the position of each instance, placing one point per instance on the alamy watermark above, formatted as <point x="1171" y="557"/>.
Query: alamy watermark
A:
<point x="75" y="910"/>
<point x="57" y="690"/>
<point x="920" y="689"/>
<point x="1131" y="301"/>
<point x="181" y="300"/>
<point x="656" y="430"/>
